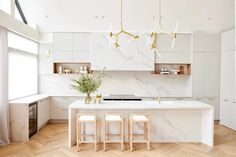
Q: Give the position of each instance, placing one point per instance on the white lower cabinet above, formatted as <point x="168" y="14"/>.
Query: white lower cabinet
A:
<point x="59" y="107"/>
<point x="214" y="102"/>
<point x="43" y="112"/>
<point x="228" y="113"/>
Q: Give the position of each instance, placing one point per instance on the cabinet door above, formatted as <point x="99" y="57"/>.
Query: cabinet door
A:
<point x="81" y="42"/>
<point x="227" y="41"/>
<point x="59" y="107"/>
<point x="206" y="42"/>
<point x="206" y="74"/>
<point x="227" y="84"/>
<point x="62" y="45"/>
<point x="214" y="102"/>
<point x="43" y="112"/>
<point x="227" y="113"/>
<point x="180" y="53"/>
<point x="62" y="42"/>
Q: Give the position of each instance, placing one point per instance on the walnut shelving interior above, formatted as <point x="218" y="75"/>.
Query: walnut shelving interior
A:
<point x="75" y="68"/>
<point x="184" y="69"/>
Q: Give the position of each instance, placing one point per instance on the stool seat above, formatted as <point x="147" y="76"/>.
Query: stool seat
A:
<point x="87" y="118"/>
<point x="142" y="118"/>
<point x="113" y="118"/>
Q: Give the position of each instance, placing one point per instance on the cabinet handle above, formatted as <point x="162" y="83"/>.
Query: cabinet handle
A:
<point x="226" y="100"/>
<point x="234" y="102"/>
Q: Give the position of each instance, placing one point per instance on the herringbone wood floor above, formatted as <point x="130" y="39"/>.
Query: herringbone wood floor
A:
<point x="51" y="141"/>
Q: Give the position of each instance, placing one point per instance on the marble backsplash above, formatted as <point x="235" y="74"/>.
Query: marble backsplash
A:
<point x="143" y="84"/>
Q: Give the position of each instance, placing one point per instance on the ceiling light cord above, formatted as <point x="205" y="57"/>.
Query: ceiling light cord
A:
<point x="121" y="13"/>
<point x="160" y="12"/>
<point x="116" y="35"/>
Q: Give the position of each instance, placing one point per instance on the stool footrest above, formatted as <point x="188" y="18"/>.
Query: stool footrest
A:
<point x="112" y="134"/>
<point x="81" y="142"/>
<point x="139" y="141"/>
<point x="138" y="134"/>
<point x="85" y="135"/>
<point x="113" y="141"/>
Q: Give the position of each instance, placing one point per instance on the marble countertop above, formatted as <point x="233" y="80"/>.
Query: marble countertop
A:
<point x="29" y="99"/>
<point x="79" y="104"/>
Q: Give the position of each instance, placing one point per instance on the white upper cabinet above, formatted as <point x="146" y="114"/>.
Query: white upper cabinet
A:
<point x="228" y="66"/>
<point x="206" y="42"/>
<point x="71" y="47"/>
<point x="62" y="42"/>
<point x="206" y="74"/>
<point x="132" y="55"/>
<point x="180" y="53"/>
<point x="227" y="75"/>
<point x="81" y="47"/>
<point x="81" y="42"/>
<point x="206" y="65"/>
<point x="227" y="41"/>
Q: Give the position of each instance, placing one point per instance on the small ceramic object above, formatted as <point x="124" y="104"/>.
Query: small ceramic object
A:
<point x="60" y="69"/>
<point x="76" y="71"/>
<point x="67" y="70"/>
<point x="81" y="68"/>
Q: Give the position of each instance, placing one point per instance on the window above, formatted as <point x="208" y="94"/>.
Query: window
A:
<point x="5" y="5"/>
<point x="23" y="66"/>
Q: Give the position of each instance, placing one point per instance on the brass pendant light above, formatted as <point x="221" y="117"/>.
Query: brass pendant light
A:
<point x="122" y="31"/>
<point x="154" y="34"/>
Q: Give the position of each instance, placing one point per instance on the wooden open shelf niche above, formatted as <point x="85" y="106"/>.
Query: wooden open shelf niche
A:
<point x="74" y="67"/>
<point x="185" y="69"/>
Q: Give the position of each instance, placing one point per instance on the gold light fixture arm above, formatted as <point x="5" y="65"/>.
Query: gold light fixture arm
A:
<point x="122" y="31"/>
<point x="154" y="35"/>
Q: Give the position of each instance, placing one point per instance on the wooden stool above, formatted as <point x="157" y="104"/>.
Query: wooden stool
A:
<point x="113" y="118"/>
<point x="143" y="119"/>
<point x="80" y="126"/>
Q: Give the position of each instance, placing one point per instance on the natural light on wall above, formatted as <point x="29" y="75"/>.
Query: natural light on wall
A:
<point x="5" y="5"/>
<point x="23" y="66"/>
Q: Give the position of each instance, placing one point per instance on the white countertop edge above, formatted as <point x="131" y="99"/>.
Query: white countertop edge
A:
<point x="142" y="105"/>
<point x="29" y="99"/>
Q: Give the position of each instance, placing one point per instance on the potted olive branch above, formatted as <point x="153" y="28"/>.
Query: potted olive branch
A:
<point x="88" y="83"/>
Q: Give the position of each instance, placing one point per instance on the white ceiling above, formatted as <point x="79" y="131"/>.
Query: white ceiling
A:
<point x="139" y="15"/>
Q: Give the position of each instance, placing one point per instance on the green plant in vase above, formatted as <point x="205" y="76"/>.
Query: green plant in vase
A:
<point x="87" y="84"/>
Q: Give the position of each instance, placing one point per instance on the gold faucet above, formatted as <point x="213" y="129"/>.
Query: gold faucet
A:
<point x="159" y="95"/>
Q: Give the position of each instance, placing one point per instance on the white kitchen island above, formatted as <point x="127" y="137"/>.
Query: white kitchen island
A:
<point x="171" y="121"/>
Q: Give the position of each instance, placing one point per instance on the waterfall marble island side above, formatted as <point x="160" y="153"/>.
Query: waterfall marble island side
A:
<point x="171" y="121"/>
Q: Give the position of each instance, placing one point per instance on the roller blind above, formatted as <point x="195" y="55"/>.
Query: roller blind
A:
<point x="23" y="66"/>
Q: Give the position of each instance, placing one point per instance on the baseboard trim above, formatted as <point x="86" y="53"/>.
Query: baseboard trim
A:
<point x="58" y="121"/>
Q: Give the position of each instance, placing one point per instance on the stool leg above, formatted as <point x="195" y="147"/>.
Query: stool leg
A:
<point x="83" y="131"/>
<point x="128" y="131"/>
<point x="105" y="132"/>
<point x="131" y="135"/>
<point x="148" y="124"/>
<point x="78" y="135"/>
<point x="95" y="135"/>
<point x="145" y="131"/>
<point x="122" y="134"/>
